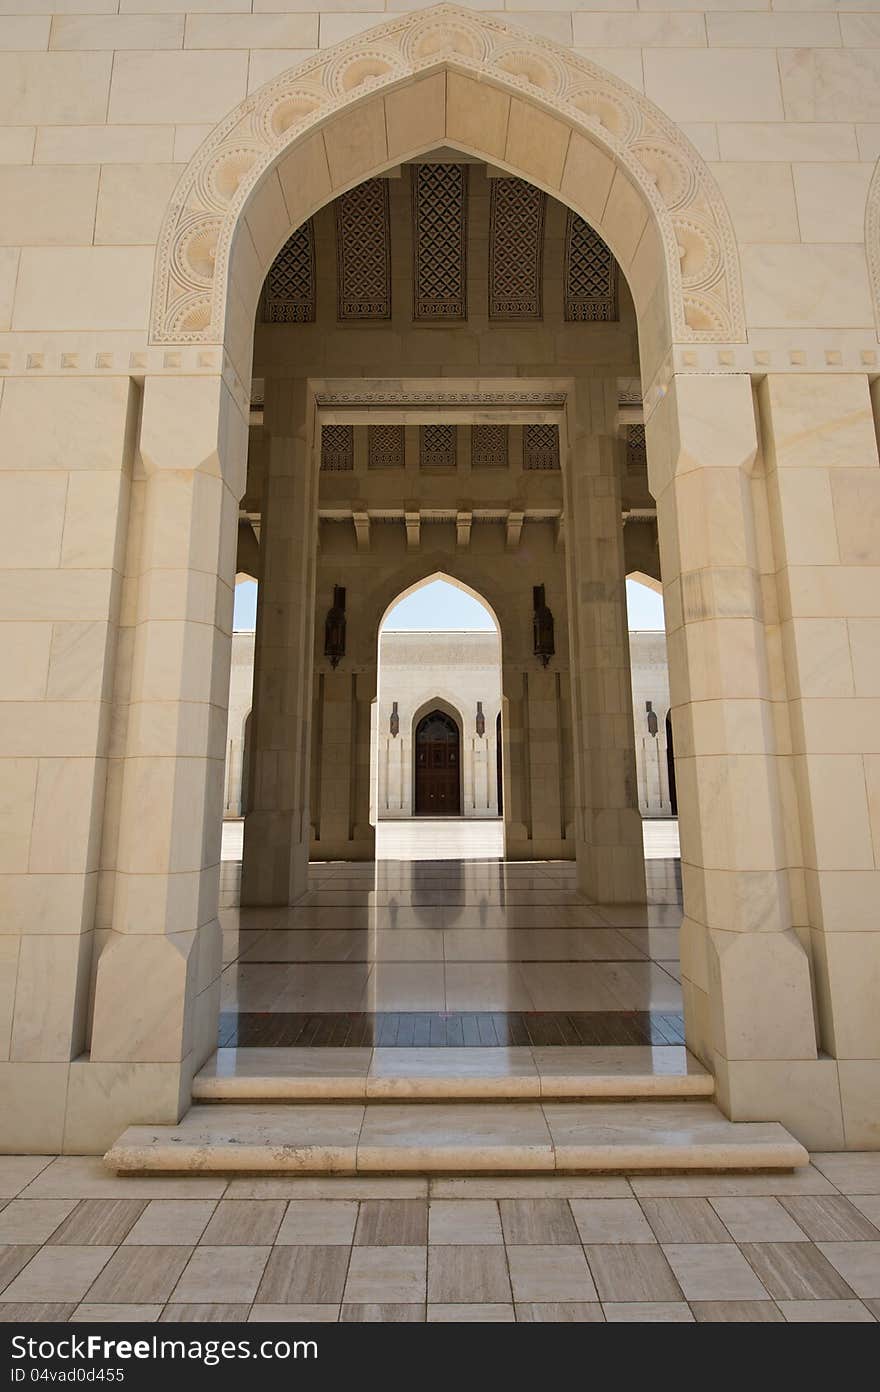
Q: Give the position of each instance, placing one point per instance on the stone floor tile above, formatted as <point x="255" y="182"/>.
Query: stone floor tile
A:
<point x="13" y="1258"/>
<point x="828" y="1218"/>
<point x="221" y="1274"/>
<point x="171" y="1223"/>
<point x="858" y="1263"/>
<point x="611" y="1220"/>
<point x="648" y="1312"/>
<point x="869" y="1204"/>
<point x="17" y="1171"/>
<point x="310" y="1274"/>
<point x="559" y="1312"/>
<point x="853" y="1172"/>
<point x="386" y="1275"/>
<point x="825" y="1312"/>
<point x="87" y="1177"/>
<point x="204" y="1314"/>
<point x="318" y="1222"/>
<point x="293" y="1314"/>
<point x="139" y="1276"/>
<point x="392" y="1223"/>
<point x="874" y="1307"/>
<point x="363" y="1312"/>
<point x="736" y="1312"/>
<point x="802" y="1181"/>
<point x="467" y="1273"/>
<point x="797" y="1270"/>
<point x="116" y="1314"/>
<point x="32" y="1220"/>
<point x="532" y="1186"/>
<point x="550" y="1273"/>
<point x="329" y="1187"/>
<point x="714" y="1271"/>
<point x="632" y="1272"/>
<point x="453" y="1221"/>
<point x="56" y="1273"/>
<point x="46" y="1313"/>
<point x="471" y="1314"/>
<point x="530" y="1222"/>
<point x="684" y="1220"/>
<point x="99" y="1222"/>
<point x="757" y="1220"/>
<point x="244" y="1223"/>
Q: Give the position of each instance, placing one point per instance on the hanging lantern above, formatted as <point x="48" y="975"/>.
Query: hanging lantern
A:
<point x="394" y="721"/>
<point x="652" y="718"/>
<point x="542" y="626"/>
<point x="334" y="627"/>
<point x="481" y="720"/>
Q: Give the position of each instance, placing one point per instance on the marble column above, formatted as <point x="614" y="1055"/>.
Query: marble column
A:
<point x="157" y="985"/>
<point x="746" y="976"/>
<point x="610" y="854"/>
<point x="276" y="825"/>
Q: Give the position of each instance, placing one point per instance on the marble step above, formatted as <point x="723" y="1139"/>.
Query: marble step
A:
<point x="502" y="1074"/>
<point x="443" y="1138"/>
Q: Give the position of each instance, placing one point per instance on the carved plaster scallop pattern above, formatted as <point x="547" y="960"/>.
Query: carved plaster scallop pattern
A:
<point x="590" y="99"/>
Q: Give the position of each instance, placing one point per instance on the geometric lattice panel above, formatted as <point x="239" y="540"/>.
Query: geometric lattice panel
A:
<point x="437" y="446"/>
<point x="439" y="197"/>
<point x="540" y="447"/>
<point x="590" y="274"/>
<point x="289" y="294"/>
<point x="636" y="454"/>
<point x="516" y="249"/>
<point x="489" y="446"/>
<point x="363" y="252"/>
<point x="337" y="448"/>
<point x="385" y="447"/>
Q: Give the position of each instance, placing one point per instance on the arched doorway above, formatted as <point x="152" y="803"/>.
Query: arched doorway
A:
<point x="437" y="766"/>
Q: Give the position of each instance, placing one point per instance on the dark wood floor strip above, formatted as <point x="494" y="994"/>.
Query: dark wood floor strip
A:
<point x="403" y="1029"/>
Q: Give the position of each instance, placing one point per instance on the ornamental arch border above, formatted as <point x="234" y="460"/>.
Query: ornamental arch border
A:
<point x="522" y="103"/>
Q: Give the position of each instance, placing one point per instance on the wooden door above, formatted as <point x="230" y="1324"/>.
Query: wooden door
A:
<point x="438" y="766"/>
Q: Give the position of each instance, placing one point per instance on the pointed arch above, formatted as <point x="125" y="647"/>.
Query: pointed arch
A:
<point x="452" y="77"/>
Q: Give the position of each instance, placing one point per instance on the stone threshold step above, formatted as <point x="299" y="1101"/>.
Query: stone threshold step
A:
<point x="438" y="1138"/>
<point x="439" y="1074"/>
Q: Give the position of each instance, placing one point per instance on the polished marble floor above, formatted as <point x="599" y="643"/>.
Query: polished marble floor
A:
<point x="80" y="1244"/>
<point x="428" y="938"/>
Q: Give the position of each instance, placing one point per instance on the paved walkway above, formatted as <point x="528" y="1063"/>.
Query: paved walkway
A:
<point x="77" y="1243"/>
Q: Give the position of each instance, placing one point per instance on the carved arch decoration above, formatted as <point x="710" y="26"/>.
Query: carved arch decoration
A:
<point x="872" y="241"/>
<point x="699" y="248"/>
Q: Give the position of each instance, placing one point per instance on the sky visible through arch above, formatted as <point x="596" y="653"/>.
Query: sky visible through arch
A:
<point x="439" y="605"/>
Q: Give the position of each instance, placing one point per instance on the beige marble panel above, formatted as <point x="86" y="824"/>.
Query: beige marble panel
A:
<point x="830" y="84"/>
<point x="94" y="32"/>
<point x="132" y="201"/>
<point x="831" y="201"/>
<point x="760" y="199"/>
<point x="252" y="31"/>
<point x="83" y="288"/>
<point x="103" y="144"/>
<point x="190" y="86"/>
<point x="714" y="85"/>
<point x="44" y="206"/>
<point x="53" y="88"/>
<point x="804" y="286"/>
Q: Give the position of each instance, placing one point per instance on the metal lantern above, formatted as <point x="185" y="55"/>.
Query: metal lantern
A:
<point x="652" y="718"/>
<point x="481" y="720"/>
<point x="334" y="627"/>
<point x="542" y="624"/>
<point x="394" y="721"/>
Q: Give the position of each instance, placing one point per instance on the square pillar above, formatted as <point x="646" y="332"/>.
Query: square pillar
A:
<point x="66" y="455"/>
<point x="823" y="480"/>
<point x="746" y="974"/>
<point x="276" y="826"/>
<point x="157" y="986"/>
<point x="610" y="852"/>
